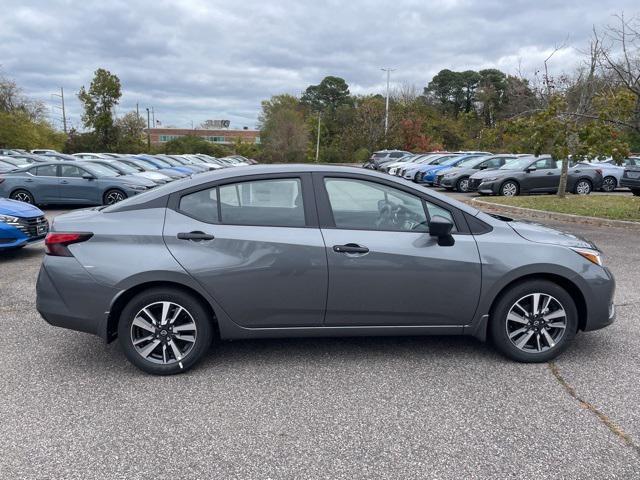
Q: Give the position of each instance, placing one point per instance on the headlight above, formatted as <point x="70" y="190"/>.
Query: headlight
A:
<point x="489" y="179"/>
<point x="8" y="219"/>
<point x="592" y="255"/>
<point x="452" y="174"/>
<point x="137" y="187"/>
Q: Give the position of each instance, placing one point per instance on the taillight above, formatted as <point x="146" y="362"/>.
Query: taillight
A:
<point x="56" y="243"/>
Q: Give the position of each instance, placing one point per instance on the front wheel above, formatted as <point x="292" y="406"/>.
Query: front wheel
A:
<point x="164" y="331"/>
<point x="463" y="185"/>
<point x="113" y="196"/>
<point x="509" y="189"/>
<point x="534" y="321"/>
<point x="583" y="187"/>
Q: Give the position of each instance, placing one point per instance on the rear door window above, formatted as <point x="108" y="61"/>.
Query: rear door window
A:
<point x="276" y="202"/>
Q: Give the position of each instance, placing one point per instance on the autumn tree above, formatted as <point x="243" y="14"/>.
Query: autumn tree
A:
<point x="283" y="131"/>
<point x="99" y="102"/>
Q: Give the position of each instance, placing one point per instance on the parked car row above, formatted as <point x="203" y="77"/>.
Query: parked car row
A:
<point x="28" y="179"/>
<point x="506" y="174"/>
<point x="96" y="178"/>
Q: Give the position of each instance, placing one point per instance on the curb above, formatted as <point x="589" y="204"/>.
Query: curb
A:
<point x="563" y="217"/>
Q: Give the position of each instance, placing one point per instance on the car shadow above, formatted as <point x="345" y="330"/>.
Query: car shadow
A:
<point x="29" y="251"/>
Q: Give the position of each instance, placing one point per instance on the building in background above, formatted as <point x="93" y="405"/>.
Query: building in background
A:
<point x="160" y="136"/>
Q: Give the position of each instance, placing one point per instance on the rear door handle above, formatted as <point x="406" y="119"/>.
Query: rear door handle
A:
<point x="350" y="248"/>
<point x="195" y="236"/>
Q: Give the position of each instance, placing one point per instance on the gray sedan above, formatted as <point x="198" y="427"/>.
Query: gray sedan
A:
<point x="69" y="183"/>
<point x="457" y="178"/>
<point x="309" y="251"/>
<point x="534" y="175"/>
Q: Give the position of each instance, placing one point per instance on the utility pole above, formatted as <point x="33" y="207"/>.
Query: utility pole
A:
<point x="137" y="110"/>
<point x="148" y="132"/>
<point x="318" y="140"/>
<point x="64" y="113"/>
<point x="153" y="116"/>
<point x="386" y="109"/>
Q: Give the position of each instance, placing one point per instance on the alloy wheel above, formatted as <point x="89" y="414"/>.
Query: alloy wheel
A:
<point x="536" y="323"/>
<point x="509" y="189"/>
<point x="583" y="187"/>
<point x="609" y="184"/>
<point x="114" y="197"/>
<point x="22" y="197"/>
<point x="163" y="333"/>
<point x="463" y="185"/>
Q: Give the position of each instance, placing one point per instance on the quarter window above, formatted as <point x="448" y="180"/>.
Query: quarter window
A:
<point x="263" y="202"/>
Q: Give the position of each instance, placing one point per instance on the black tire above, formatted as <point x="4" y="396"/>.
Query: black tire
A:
<point x="609" y="184"/>
<point x="635" y="192"/>
<point x="583" y="187"/>
<point x="510" y="188"/>
<point x="22" y="195"/>
<point x="195" y="313"/>
<point x="462" y="185"/>
<point x="112" y="196"/>
<point x="499" y="324"/>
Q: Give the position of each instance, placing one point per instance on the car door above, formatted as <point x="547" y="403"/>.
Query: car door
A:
<point x="545" y="177"/>
<point x="42" y="182"/>
<point x="255" y="246"/>
<point x="76" y="189"/>
<point x="384" y="268"/>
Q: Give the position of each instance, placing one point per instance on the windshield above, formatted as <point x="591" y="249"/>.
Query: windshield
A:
<point x="113" y="169"/>
<point x="124" y="167"/>
<point x="452" y="160"/>
<point x="472" y="161"/>
<point x="101" y="170"/>
<point x="517" y="164"/>
<point x="145" y="164"/>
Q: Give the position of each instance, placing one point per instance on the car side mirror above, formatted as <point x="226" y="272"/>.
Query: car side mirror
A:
<point x="88" y="176"/>
<point x="441" y="228"/>
<point x="482" y="167"/>
<point x="532" y="168"/>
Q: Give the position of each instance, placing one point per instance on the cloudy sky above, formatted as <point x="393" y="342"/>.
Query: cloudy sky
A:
<point x="194" y="60"/>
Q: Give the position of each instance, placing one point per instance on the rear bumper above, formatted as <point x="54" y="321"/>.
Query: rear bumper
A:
<point x="630" y="183"/>
<point x="68" y="297"/>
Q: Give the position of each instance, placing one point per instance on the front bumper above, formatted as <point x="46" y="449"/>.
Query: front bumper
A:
<point x="23" y="232"/>
<point x="600" y="302"/>
<point x="68" y="297"/>
<point x="488" y="188"/>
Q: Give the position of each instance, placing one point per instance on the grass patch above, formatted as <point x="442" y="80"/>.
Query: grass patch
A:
<point x="615" y="207"/>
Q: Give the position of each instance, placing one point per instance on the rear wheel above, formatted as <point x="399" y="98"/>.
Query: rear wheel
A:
<point x="583" y="187"/>
<point x="463" y="185"/>
<point x="22" y="196"/>
<point x="164" y="331"/>
<point x="113" y="196"/>
<point x="609" y="184"/>
<point x="534" y="321"/>
<point x="509" y="189"/>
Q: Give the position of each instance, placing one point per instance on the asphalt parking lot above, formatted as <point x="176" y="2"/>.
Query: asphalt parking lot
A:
<point x="429" y="407"/>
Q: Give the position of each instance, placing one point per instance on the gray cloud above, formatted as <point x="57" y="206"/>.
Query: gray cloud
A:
<point x="199" y="59"/>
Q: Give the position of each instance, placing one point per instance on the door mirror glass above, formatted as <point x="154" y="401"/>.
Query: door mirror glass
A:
<point x="441" y="228"/>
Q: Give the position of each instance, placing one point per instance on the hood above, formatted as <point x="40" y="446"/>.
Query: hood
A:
<point x="534" y="232"/>
<point x="18" y="209"/>
<point x="493" y="173"/>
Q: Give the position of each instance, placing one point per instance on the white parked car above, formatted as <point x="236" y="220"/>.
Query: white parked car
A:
<point x="611" y="173"/>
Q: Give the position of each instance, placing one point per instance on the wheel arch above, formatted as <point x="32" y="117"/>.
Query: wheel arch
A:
<point x="511" y="179"/>
<point x="123" y="299"/>
<point x="25" y="189"/>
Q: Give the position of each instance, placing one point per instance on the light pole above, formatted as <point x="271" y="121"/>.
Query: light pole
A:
<point x="318" y="140"/>
<point x="148" y="131"/>
<point x="386" y="108"/>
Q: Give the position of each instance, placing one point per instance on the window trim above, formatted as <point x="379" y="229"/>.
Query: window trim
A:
<point x="308" y="199"/>
<point x="325" y="213"/>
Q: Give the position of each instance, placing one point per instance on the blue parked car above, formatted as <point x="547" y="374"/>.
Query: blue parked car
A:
<point x="164" y="164"/>
<point x="20" y="224"/>
<point x="427" y="174"/>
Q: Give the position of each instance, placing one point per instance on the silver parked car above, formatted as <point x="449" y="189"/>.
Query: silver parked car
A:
<point x="309" y="251"/>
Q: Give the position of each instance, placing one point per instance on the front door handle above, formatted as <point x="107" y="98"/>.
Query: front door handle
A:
<point x="64" y="182"/>
<point x="550" y="173"/>
<point x="195" y="236"/>
<point x="350" y="248"/>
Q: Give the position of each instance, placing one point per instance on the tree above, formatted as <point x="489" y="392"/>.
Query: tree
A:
<point x="328" y="95"/>
<point x="194" y="144"/>
<point x="99" y="101"/>
<point x="13" y="100"/>
<point x="283" y="133"/>
<point x="492" y="93"/>
<point x="130" y="133"/>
